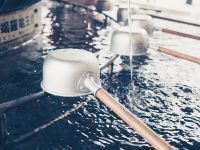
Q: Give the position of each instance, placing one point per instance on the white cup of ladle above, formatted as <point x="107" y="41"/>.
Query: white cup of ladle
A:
<point x="120" y="41"/>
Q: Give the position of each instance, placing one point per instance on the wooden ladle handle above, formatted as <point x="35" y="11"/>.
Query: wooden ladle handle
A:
<point x="136" y="124"/>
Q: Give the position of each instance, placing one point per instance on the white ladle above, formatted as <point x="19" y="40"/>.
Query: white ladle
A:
<point x="122" y="13"/>
<point x="146" y="22"/>
<point x="120" y="41"/>
<point x="72" y="72"/>
<point x="142" y="21"/>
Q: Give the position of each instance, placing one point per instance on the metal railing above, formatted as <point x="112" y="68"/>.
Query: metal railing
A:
<point x="6" y="106"/>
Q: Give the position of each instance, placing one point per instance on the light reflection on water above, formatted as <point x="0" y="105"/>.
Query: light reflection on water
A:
<point x="166" y="93"/>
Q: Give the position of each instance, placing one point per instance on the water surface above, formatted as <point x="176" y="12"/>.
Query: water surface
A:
<point x="165" y="95"/>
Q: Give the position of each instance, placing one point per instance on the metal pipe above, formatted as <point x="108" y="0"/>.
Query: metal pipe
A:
<point x="3" y="128"/>
<point x="20" y="101"/>
<point x="110" y="69"/>
<point x="45" y="126"/>
<point x="109" y="62"/>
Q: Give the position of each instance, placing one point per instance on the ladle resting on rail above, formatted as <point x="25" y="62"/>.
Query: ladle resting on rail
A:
<point x="140" y="44"/>
<point x="146" y="22"/>
<point x="71" y="72"/>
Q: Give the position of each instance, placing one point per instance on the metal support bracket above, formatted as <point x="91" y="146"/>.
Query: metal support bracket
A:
<point x="3" y="128"/>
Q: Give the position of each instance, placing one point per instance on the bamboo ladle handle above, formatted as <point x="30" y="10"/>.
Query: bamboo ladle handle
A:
<point x="181" y="34"/>
<point x="148" y="134"/>
<point x="179" y="55"/>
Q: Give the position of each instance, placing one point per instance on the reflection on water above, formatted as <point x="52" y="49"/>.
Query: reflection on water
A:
<point x="166" y="93"/>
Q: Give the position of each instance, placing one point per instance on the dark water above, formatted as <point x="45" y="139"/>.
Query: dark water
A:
<point x="164" y="93"/>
